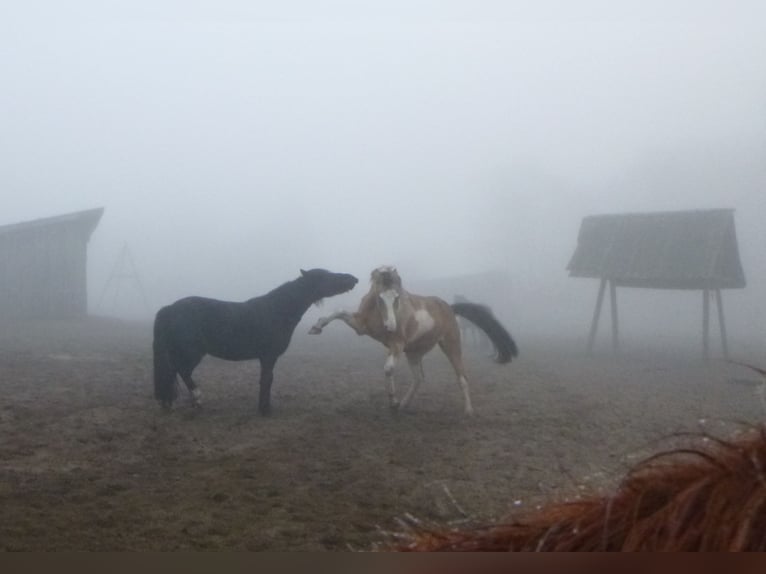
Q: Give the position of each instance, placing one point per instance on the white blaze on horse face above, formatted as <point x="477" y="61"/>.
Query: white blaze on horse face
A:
<point x="389" y="297"/>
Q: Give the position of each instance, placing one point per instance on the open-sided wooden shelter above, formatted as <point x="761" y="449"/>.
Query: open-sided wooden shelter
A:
<point x="689" y="250"/>
<point x="43" y="266"/>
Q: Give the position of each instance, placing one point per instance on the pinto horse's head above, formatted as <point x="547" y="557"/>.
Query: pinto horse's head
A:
<point x="385" y="277"/>
<point x="387" y="283"/>
<point x="327" y="284"/>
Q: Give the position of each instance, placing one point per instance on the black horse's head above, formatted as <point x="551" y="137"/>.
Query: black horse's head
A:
<point x="326" y="283"/>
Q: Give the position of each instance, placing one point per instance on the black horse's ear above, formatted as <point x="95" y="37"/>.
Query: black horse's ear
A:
<point x="303" y="272"/>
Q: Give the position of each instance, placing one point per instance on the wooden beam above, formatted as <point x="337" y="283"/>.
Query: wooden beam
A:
<point x="706" y="324"/>
<point x="722" y="323"/>
<point x="615" y="328"/>
<point x="596" y="315"/>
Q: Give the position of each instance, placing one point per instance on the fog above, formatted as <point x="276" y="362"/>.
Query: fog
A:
<point x="232" y="143"/>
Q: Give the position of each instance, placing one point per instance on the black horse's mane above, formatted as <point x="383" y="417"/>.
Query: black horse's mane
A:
<point x="296" y="290"/>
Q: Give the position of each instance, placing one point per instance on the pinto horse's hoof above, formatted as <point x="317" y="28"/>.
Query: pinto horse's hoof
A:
<point x="315" y="330"/>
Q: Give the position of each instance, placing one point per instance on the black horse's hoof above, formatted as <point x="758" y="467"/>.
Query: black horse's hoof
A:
<point x="264" y="411"/>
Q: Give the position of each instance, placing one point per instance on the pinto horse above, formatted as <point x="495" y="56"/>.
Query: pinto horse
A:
<point x="413" y="325"/>
<point x="259" y="328"/>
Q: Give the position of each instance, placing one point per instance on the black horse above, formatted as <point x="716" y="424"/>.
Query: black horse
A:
<point x="259" y="328"/>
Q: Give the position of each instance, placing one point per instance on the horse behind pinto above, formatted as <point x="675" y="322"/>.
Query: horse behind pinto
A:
<point x="259" y="328"/>
<point x="414" y="324"/>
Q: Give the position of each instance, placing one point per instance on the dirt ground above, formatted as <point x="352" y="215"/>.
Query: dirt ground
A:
<point x="89" y="462"/>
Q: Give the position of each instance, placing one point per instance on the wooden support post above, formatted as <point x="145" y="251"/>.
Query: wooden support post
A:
<point x="706" y="324"/>
<point x="722" y="323"/>
<point x="615" y="328"/>
<point x="596" y="315"/>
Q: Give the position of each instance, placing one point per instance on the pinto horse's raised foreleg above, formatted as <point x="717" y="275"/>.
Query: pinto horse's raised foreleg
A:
<point x="451" y="347"/>
<point x="350" y="319"/>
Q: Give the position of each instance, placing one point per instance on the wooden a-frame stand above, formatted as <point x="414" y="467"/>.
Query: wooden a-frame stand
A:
<point x="706" y="296"/>
<point x="124" y="270"/>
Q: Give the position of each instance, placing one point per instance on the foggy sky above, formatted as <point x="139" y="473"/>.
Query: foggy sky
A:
<point x="232" y="143"/>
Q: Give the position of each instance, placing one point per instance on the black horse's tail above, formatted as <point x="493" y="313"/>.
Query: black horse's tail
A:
<point x="482" y="317"/>
<point x="164" y="373"/>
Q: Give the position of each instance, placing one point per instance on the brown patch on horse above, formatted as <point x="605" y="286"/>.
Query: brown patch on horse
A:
<point x="411" y="327"/>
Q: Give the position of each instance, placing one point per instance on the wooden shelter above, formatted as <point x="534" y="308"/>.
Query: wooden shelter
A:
<point x="43" y="266"/>
<point x="689" y="250"/>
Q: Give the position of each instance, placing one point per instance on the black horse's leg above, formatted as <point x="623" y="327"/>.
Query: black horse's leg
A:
<point x="196" y="394"/>
<point x="185" y="367"/>
<point x="267" y="376"/>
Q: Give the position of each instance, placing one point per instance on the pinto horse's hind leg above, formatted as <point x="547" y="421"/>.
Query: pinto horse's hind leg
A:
<point x="451" y="347"/>
<point x="415" y="362"/>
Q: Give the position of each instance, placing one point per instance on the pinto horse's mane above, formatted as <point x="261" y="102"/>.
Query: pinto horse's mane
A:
<point x="709" y="497"/>
<point x="385" y="277"/>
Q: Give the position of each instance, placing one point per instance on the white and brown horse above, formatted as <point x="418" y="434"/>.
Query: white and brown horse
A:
<point x="413" y="325"/>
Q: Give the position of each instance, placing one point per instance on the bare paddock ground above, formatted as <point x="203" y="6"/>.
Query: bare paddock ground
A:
<point x="89" y="462"/>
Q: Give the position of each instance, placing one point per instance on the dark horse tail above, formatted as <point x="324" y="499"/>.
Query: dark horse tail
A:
<point x="482" y="317"/>
<point x="164" y="372"/>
